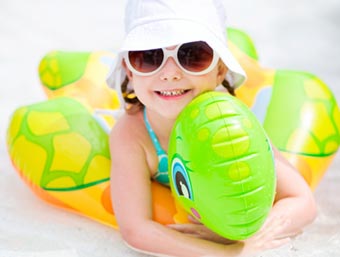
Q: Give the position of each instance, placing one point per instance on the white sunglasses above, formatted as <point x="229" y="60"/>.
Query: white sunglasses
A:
<point x="195" y="58"/>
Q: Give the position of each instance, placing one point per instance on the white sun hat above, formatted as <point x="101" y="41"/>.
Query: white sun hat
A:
<point x="151" y="24"/>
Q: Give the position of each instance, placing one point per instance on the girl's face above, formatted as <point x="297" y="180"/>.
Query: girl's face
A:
<point x="169" y="90"/>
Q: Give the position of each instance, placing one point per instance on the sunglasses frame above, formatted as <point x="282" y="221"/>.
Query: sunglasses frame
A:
<point x="171" y="53"/>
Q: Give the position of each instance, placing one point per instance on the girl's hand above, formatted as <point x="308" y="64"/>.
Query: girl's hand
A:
<point x="269" y="236"/>
<point x="198" y="230"/>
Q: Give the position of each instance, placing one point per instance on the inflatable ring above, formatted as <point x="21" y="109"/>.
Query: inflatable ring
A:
<point x="60" y="150"/>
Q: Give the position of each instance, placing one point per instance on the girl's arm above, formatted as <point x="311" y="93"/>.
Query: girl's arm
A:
<point x="294" y="208"/>
<point x="294" y="200"/>
<point x="132" y="202"/>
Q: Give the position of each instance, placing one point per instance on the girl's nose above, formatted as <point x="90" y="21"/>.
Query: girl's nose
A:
<point x="170" y="71"/>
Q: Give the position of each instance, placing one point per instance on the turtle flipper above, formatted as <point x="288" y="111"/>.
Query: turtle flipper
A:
<point x="62" y="153"/>
<point x="303" y="122"/>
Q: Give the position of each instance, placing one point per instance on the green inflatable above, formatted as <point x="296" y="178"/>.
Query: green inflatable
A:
<point x="221" y="164"/>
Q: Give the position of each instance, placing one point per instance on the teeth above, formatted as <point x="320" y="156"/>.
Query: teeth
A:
<point x="172" y="93"/>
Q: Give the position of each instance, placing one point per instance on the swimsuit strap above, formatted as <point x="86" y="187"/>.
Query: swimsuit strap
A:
<point x="162" y="172"/>
<point x="153" y="136"/>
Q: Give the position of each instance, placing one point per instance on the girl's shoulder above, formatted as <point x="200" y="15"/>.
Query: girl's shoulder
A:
<point x="129" y="128"/>
<point x="129" y="139"/>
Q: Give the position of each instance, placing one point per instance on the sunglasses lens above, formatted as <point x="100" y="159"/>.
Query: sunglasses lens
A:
<point x="146" y="61"/>
<point x="195" y="56"/>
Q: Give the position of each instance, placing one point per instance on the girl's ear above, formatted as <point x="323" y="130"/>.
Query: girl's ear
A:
<point x="127" y="71"/>
<point x="221" y="72"/>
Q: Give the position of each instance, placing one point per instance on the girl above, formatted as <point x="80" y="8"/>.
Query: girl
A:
<point x="173" y="51"/>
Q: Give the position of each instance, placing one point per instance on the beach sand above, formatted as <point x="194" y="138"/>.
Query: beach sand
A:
<point x="296" y="35"/>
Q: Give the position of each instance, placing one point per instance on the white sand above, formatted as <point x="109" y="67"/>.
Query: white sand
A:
<point x="298" y="35"/>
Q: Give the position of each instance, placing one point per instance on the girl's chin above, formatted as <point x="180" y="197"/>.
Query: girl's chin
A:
<point x="171" y="114"/>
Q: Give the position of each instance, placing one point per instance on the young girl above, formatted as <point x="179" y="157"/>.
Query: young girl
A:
<point x="173" y="51"/>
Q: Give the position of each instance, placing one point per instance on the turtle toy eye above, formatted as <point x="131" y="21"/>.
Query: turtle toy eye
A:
<point x="181" y="181"/>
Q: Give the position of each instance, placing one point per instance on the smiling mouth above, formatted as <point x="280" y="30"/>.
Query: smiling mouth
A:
<point x="172" y="92"/>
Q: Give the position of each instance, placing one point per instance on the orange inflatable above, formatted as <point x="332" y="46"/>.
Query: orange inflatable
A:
<point x="60" y="147"/>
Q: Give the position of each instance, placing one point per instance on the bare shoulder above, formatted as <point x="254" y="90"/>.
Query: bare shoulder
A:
<point x="129" y="129"/>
